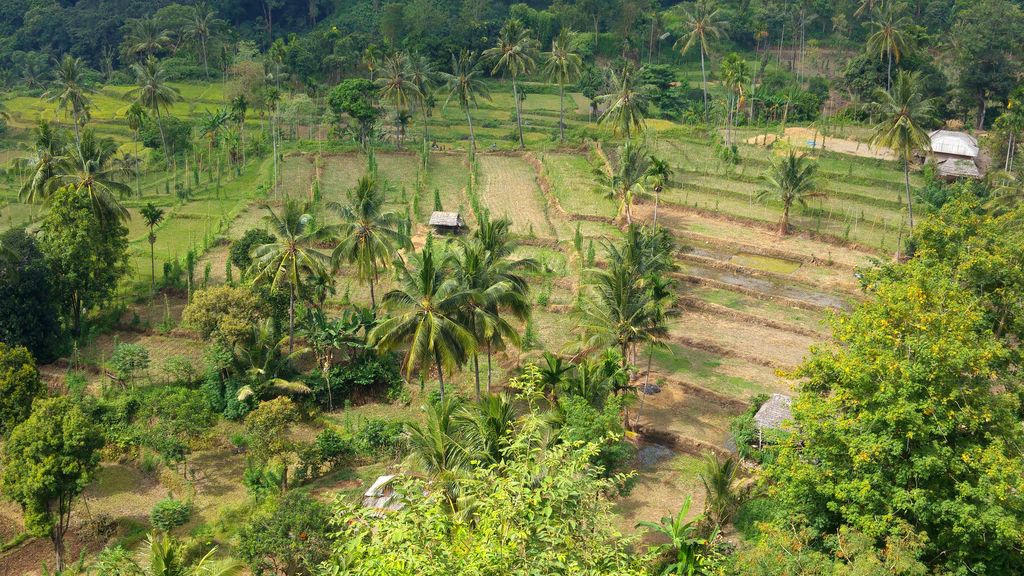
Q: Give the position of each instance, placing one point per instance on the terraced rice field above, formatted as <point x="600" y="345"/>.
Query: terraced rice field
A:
<point x="510" y="189"/>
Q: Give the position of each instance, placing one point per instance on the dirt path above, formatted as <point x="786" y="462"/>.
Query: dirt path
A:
<point x="806" y="138"/>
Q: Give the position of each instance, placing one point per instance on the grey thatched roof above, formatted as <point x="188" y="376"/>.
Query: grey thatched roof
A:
<point x="449" y="219"/>
<point x="954" y="167"/>
<point x="774" y="412"/>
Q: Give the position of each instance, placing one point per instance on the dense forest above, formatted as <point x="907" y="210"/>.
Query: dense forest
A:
<point x="623" y="287"/>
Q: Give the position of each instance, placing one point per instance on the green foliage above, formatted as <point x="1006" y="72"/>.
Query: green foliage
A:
<point x="367" y="374"/>
<point x="378" y="437"/>
<point x="129" y="361"/>
<point x="169" y="513"/>
<point x="356" y="97"/>
<point x="329" y="450"/>
<point x="601" y="427"/>
<point x="19" y="386"/>
<point x="536" y="512"/>
<point x="177" y="131"/>
<point x="88" y="256"/>
<point x="225" y="314"/>
<point x="267" y="427"/>
<point x="28" y="311"/>
<point x="903" y="402"/>
<point x="240" y="253"/>
<point x="289" y="534"/>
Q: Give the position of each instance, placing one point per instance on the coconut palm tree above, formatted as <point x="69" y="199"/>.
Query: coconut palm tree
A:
<point x="167" y="557"/>
<point x="735" y="76"/>
<point x="627" y="104"/>
<point x="146" y="37"/>
<point x="425" y="316"/>
<point x="210" y="126"/>
<point x="890" y="36"/>
<point x="563" y="66"/>
<point x="659" y="173"/>
<point x="514" y="55"/>
<point x="288" y="260"/>
<point x="396" y="85"/>
<point x="792" y="180"/>
<point x="905" y="111"/>
<point x="464" y="84"/>
<point x="722" y="489"/>
<point x="200" y="29"/>
<point x="702" y="24"/>
<point x="153" y="92"/>
<point x="488" y="426"/>
<point x="436" y="447"/>
<point x="239" y="110"/>
<point x="628" y="177"/>
<point x="424" y="76"/>
<point x="369" y="236"/>
<point x="49" y="160"/>
<point x="616" y="312"/>
<point x="135" y="115"/>
<point x="88" y="167"/>
<point x="71" y="92"/>
<point x="152" y="216"/>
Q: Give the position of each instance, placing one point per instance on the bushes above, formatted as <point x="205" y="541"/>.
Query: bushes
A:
<point x="240" y="253"/>
<point x="169" y="513"/>
<point x="129" y="361"/>
<point x="379" y="437"/>
<point x="368" y="374"/>
<point x="329" y="450"/>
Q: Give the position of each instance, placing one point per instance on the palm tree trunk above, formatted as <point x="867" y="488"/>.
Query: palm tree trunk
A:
<point x="519" y="114"/>
<point x="1009" y="152"/>
<point x="488" y="367"/>
<point x="373" y="297"/>
<point x="426" y="126"/>
<point x="888" y="73"/>
<point x="138" y="167"/>
<point x="152" y="261"/>
<point x="291" y="319"/>
<point x="398" y="131"/>
<point x="561" y="111"/>
<point x="704" y="84"/>
<point x="472" y="137"/>
<point x="910" y="206"/>
<point x="643" y="391"/>
<point x="657" y="196"/>
<point x="206" y="67"/>
<point x="476" y="373"/>
<point x="784" y="223"/>
<point x="163" y="139"/>
<point x="440" y="372"/>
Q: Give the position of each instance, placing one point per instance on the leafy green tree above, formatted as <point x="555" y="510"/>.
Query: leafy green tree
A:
<point x="240" y="253"/>
<point x="356" y="97"/>
<point x="20" y="385"/>
<point x="985" y="32"/>
<point x="735" y="77"/>
<point x="627" y="103"/>
<point x="514" y="55"/>
<point x="369" y="236"/>
<point x="146" y="37"/>
<point x="290" y="258"/>
<point x="28" y="312"/>
<point x="239" y="110"/>
<point x="48" y="461"/>
<point x="904" y="402"/>
<point x="465" y="85"/>
<point x="49" y="158"/>
<point x="890" y="35"/>
<point x="905" y="112"/>
<point x="537" y="511"/>
<point x="88" y="167"/>
<point x="793" y="181"/>
<point x="152" y="216"/>
<point x="701" y="25"/>
<point x="154" y="93"/>
<point x="563" y="66"/>
<point x="226" y="314"/>
<point x="286" y="535"/>
<point x="129" y="361"/>
<point x="425" y="316"/>
<point x="204" y="23"/>
<point x="87" y="256"/>
<point x="267" y="429"/>
<point x="71" y="91"/>
<point x="424" y="76"/>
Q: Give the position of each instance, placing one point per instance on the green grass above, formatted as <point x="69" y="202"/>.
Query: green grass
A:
<point x="766" y="263"/>
<point x="706" y="369"/>
<point x="575" y="186"/>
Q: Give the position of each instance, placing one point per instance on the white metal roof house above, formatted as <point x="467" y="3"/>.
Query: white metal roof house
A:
<point x="956" y="154"/>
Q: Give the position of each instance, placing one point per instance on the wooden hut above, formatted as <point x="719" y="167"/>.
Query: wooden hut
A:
<point x="772" y="414"/>
<point x="447" y="222"/>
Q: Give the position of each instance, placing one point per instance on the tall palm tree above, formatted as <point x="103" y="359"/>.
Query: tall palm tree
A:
<point x="152" y="216"/>
<point x="905" y="111"/>
<point x="49" y="160"/>
<point x="702" y="24"/>
<point x="71" y="92"/>
<point x="88" y="167"/>
<point x="425" y="317"/>
<point x="424" y="77"/>
<point x="239" y="110"/>
<point x="200" y="29"/>
<point x="153" y="92"/>
<point x="627" y="103"/>
<point x="628" y="176"/>
<point x="890" y="37"/>
<point x="792" y="180"/>
<point x="146" y="37"/>
<point x="659" y="173"/>
<point x="464" y="84"/>
<point x="487" y="291"/>
<point x="616" y="312"/>
<point x="396" y="85"/>
<point x="735" y="76"/>
<point x="369" y="236"/>
<point x="210" y="126"/>
<point x="514" y="55"/>
<point x="135" y="115"/>
<point x="563" y="66"/>
<point x="292" y="256"/>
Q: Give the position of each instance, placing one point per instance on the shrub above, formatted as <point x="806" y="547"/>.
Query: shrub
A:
<point x="180" y="370"/>
<point x="129" y="360"/>
<point x="169" y="513"/>
<point x="369" y="373"/>
<point x="240" y="253"/>
<point x="378" y="436"/>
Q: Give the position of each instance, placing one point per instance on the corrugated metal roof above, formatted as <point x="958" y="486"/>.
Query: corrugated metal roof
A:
<point x="774" y="412"/>
<point x="381" y="494"/>
<point x="955" y="143"/>
<point x="450" y="219"/>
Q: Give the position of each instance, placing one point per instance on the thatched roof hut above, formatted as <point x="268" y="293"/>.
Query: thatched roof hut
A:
<point x="774" y="412"/>
<point x="447" y="222"/>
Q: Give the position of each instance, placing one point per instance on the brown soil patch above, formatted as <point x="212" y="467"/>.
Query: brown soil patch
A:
<point x="692" y="303"/>
<point x="734" y="338"/>
<point x="800" y="137"/>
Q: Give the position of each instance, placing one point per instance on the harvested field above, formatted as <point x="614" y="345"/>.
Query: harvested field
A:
<point x="759" y="343"/>
<point x="510" y="189"/>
